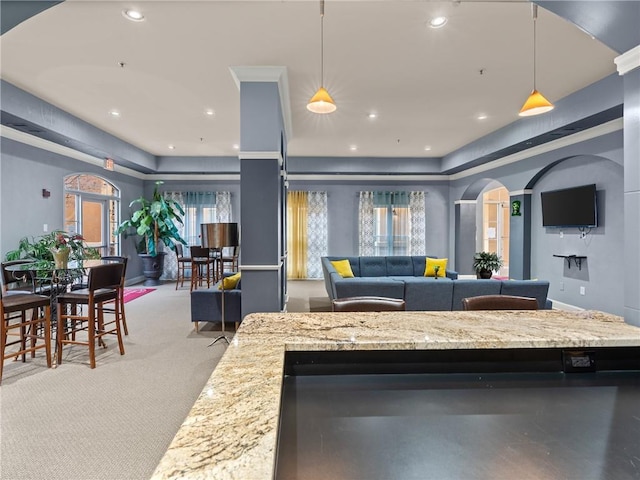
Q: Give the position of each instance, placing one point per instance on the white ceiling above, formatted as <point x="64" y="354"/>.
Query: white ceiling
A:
<point x="425" y="84"/>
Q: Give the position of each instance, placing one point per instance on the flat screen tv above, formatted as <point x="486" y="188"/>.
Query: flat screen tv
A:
<point x="570" y="207"/>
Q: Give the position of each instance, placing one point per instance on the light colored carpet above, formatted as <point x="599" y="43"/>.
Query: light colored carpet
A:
<point x="116" y="421"/>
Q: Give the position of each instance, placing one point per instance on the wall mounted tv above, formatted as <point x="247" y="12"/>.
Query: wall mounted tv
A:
<point x="570" y="207"/>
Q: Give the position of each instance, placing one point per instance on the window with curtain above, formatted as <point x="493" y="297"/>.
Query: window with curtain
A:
<point x="199" y="207"/>
<point x="392" y="223"/>
<point x="307" y="238"/>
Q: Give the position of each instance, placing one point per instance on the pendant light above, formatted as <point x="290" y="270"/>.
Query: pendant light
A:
<point x="321" y="102"/>
<point x="536" y="103"/>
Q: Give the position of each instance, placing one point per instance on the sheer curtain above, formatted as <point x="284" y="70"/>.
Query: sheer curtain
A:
<point x="199" y="207"/>
<point x="366" y="233"/>
<point x="317" y="236"/>
<point x="417" y="216"/>
<point x="307" y="238"/>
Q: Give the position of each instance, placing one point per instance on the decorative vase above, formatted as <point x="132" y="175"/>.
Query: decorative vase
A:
<point x="61" y="257"/>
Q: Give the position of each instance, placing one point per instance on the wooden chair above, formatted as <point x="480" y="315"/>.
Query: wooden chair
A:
<point x="183" y="264"/>
<point x="33" y="322"/>
<point x="16" y="283"/>
<point x="230" y="259"/>
<point x="123" y="260"/>
<point x="499" y="302"/>
<point x="103" y="286"/>
<point x="368" y="304"/>
<point x="201" y="266"/>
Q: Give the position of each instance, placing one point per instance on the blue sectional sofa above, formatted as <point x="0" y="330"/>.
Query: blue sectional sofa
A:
<point x="403" y="277"/>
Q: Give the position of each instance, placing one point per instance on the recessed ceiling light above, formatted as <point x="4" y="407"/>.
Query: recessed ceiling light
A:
<point x="133" y="15"/>
<point x="114" y="113"/>
<point x="437" y="22"/>
<point x="210" y="112"/>
<point x="172" y="147"/>
<point x="482" y="116"/>
<point x="427" y="148"/>
<point x="353" y="148"/>
<point x="236" y="146"/>
<point x="373" y="115"/>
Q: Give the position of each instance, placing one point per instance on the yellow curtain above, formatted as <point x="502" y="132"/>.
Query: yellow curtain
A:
<point x="297" y="234"/>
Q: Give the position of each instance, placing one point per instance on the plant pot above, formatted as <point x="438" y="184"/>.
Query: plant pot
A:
<point x="61" y="257"/>
<point x="152" y="268"/>
<point x="484" y="274"/>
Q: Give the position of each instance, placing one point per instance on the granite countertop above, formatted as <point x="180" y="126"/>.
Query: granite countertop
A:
<point x="231" y="431"/>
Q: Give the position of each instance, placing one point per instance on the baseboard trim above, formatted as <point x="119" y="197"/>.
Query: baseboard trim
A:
<point x="556" y="305"/>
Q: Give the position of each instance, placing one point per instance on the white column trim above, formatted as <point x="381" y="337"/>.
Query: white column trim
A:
<point x="465" y="202"/>
<point x="268" y="155"/>
<point x="521" y="192"/>
<point x="628" y="61"/>
<point x="260" y="267"/>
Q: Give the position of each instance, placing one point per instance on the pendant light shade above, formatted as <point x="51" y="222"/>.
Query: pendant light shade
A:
<point x="536" y="103"/>
<point x="321" y="102"/>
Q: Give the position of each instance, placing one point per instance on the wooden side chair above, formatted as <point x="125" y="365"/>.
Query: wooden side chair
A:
<point x="30" y="314"/>
<point x="201" y="266"/>
<point x="123" y="260"/>
<point x="499" y="302"/>
<point x="229" y="258"/>
<point x="183" y="264"/>
<point x="103" y="286"/>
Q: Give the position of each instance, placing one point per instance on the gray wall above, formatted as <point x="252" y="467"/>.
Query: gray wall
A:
<point x="601" y="274"/>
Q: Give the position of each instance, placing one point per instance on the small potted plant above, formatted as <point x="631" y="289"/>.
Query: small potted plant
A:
<point x="155" y="222"/>
<point x="485" y="263"/>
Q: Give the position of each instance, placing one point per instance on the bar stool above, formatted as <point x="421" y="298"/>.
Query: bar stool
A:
<point x="123" y="260"/>
<point x="40" y="308"/>
<point x="201" y="263"/>
<point x="183" y="264"/>
<point x="103" y="284"/>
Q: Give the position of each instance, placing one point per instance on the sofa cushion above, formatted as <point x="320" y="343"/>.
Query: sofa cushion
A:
<point x="353" y="261"/>
<point x="428" y="293"/>
<point x="473" y="288"/>
<point x="537" y="289"/>
<point x="230" y="282"/>
<point x="399" y="266"/>
<point x="370" y="286"/>
<point x="432" y="263"/>
<point x="373" y="267"/>
<point x="343" y="267"/>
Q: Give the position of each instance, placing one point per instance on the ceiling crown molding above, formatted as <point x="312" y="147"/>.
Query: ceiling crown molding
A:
<point x="628" y="61"/>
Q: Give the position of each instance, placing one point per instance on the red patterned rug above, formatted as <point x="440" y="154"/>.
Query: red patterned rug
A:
<point x="133" y="293"/>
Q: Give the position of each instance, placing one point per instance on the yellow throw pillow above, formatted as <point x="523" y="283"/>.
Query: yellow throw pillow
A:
<point x="229" y="283"/>
<point x="343" y="267"/>
<point x="431" y="263"/>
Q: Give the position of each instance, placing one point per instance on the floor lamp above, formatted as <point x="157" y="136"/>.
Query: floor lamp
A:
<point x="218" y="236"/>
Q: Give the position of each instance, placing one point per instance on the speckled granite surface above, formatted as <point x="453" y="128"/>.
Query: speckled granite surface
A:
<point x="231" y="430"/>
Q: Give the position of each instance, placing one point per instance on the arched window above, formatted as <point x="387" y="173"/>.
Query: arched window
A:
<point x="92" y="209"/>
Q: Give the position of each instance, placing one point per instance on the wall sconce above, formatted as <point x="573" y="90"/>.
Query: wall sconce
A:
<point x="45" y="193"/>
<point x="109" y="164"/>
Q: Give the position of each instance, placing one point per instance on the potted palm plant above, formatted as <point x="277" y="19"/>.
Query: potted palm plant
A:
<point x="485" y="263"/>
<point x="155" y="223"/>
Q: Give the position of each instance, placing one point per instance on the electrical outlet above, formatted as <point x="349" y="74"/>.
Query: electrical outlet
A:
<point x="562" y="286"/>
<point x="561" y="234"/>
<point x="45" y="228"/>
<point x="583" y="291"/>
